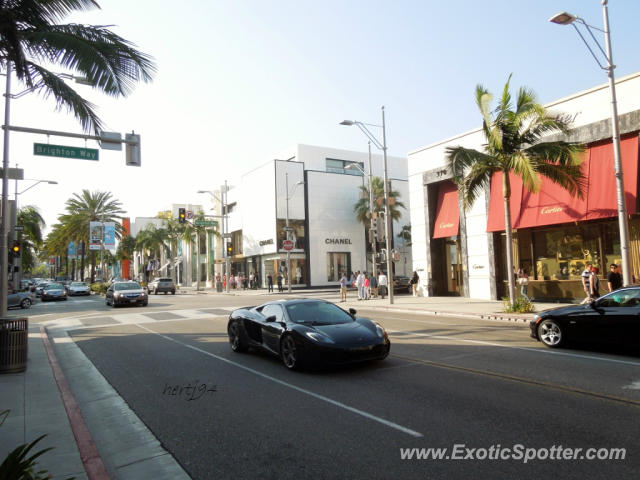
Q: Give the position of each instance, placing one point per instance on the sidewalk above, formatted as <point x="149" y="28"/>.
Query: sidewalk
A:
<point x="37" y="407"/>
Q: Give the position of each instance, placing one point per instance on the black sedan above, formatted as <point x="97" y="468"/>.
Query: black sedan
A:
<point x="307" y="331"/>
<point x="612" y="318"/>
<point x="54" y="291"/>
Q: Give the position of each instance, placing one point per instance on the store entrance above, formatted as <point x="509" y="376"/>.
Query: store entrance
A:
<point x="447" y="267"/>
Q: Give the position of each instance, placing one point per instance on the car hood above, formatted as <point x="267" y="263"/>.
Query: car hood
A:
<point x="136" y="291"/>
<point x="354" y="333"/>
<point x="564" y="310"/>
<point x="54" y="290"/>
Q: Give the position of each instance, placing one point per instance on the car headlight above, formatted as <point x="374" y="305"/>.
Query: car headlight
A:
<point x="380" y="331"/>
<point x="318" y="337"/>
<point x="142" y="294"/>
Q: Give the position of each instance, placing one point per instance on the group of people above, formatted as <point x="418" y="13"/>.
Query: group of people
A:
<point x="367" y="286"/>
<point x="239" y="281"/>
<point x="270" y="283"/>
<point x="591" y="281"/>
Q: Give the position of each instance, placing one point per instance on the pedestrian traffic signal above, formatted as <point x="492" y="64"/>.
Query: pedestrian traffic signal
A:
<point x="229" y="249"/>
<point x="182" y="215"/>
<point x="16" y="249"/>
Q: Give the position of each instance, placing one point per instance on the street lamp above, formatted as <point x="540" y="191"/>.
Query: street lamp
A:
<point x="224" y="217"/>
<point x="387" y="217"/>
<point x="287" y="228"/>
<point x="564" y="18"/>
<point x="351" y="166"/>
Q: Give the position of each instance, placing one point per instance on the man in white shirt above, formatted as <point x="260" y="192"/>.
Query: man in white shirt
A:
<point x="360" y="284"/>
<point x="383" y="284"/>
<point x="586" y="282"/>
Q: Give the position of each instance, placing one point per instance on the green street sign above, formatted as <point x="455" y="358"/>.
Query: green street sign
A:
<point x="62" y="151"/>
<point x="206" y="223"/>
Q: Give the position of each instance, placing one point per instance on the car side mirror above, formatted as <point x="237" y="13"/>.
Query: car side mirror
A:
<point x="270" y="319"/>
<point x="353" y="312"/>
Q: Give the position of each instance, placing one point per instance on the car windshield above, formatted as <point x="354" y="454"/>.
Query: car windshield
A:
<point x="165" y="280"/>
<point x="317" y="313"/>
<point x="78" y="284"/>
<point x="54" y="286"/>
<point x="127" y="286"/>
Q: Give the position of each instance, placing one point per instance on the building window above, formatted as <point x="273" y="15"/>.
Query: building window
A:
<point x="340" y="166"/>
<point x="337" y="264"/>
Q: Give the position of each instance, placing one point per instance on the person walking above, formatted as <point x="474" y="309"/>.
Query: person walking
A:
<point x="343" y="287"/>
<point x="359" y="284"/>
<point x="280" y="289"/>
<point x="374" y="287"/>
<point x="594" y="283"/>
<point x="586" y="283"/>
<point x="383" y="283"/>
<point x="523" y="281"/>
<point x="415" y="279"/>
<point x="614" y="280"/>
<point x="269" y="283"/>
<point x="367" y="286"/>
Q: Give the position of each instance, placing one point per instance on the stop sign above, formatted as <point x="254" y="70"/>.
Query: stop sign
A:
<point x="288" y="245"/>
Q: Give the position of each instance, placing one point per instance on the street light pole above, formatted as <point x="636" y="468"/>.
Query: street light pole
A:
<point x="4" y="257"/>
<point x="564" y="18"/>
<point x="387" y="217"/>
<point x="225" y="227"/>
<point x="286" y="189"/>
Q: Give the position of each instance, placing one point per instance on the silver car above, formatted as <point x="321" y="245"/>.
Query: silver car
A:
<point x="126" y="293"/>
<point x="79" y="288"/>
<point x="20" y="299"/>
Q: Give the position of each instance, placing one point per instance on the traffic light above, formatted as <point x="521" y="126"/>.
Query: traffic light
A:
<point x="182" y="215"/>
<point x="229" y="249"/>
<point x="380" y="229"/>
<point x="16" y="249"/>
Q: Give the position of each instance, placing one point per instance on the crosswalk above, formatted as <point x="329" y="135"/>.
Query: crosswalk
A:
<point x="105" y="319"/>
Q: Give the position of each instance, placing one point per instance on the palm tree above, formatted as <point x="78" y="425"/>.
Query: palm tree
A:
<point x="515" y="145"/>
<point x="362" y="207"/>
<point x="31" y="38"/>
<point x="153" y="240"/>
<point x="31" y="238"/>
<point x="90" y="207"/>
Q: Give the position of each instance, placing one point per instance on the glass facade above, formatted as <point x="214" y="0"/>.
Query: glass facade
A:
<point x="339" y="166"/>
<point x="338" y="263"/>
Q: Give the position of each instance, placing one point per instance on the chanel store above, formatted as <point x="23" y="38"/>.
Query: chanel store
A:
<point x="305" y="202"/>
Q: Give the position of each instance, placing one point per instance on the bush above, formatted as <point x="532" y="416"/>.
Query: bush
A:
<point x="99" y="288"/>
<point x="521" y="305"/>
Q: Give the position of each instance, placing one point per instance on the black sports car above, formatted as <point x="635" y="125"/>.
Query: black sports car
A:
<point x="306" y="331"/>
<point x="612" y="318"/>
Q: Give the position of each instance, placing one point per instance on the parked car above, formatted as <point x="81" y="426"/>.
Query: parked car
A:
<point x="165" y="285"/>
<point x="20" y="299"/>
<point x="401" y="284"/>
<point x="54" y="291"/>
<point x="612" y="318"/>
<point x="307" y="331"/>
<point x="78" y="288"/>
<point x="126" y="293"/>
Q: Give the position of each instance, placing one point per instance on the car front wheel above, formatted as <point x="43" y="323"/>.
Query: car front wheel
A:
<point x="235" y="338"/>
<point x="550" y="333"/>
<point x="289" y="353"/>
<point x="26" y="303"/>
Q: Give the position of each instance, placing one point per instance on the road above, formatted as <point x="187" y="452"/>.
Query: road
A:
<point x="480" y="390"/>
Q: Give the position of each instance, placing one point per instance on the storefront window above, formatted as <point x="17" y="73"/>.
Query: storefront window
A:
<point x="278" y="267"/>
<point x="338" y="263"/>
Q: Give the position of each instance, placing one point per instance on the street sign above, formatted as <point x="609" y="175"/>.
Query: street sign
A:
<point x="14" y="173"/>
<point x="189" y="214"/>
<point x="19" y="228"/>
<point x="206" y="223"/>
<point x="288" y="245"/>
<point x="62" y="151"/>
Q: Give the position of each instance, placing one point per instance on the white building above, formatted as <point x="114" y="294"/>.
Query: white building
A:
<point x="462" y="253"/>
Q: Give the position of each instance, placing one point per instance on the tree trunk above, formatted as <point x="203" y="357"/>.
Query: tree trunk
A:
<point x="506" y="192"/>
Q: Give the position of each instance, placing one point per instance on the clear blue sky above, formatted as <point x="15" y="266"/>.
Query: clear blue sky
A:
<point x="240" y="80"/>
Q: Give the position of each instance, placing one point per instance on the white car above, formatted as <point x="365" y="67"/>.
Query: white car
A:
<point x="79" y="288"/>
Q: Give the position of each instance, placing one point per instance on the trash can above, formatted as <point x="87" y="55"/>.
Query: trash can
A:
<point x="219" y="287"/>
<point x="13" y="344"/>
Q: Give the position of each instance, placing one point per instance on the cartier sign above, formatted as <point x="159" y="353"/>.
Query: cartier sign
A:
<point x="546" y="210"/>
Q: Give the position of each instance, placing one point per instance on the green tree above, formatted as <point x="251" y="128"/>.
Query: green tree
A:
<point x="515" y="144"/>
<point x="31" y="38"/>
<point x="88" y="207"/>
<point x="31" y="237"/>
<point x="362" y="207"/>
<point x="405" y="234"/>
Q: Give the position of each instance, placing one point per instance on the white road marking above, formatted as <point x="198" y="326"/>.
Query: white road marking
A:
<point x="395" y="426"/>
<point x="635" y="385"/>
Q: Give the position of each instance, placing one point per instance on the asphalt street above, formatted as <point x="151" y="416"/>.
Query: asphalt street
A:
<point x="468" y="386"/>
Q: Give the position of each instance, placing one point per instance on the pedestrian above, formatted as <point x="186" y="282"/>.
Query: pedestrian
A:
<point x="594" y="282"/>
<point x="614" y="280"/>
<point x="367" y="286"/>
<point x="415" y="279"/>
<point x="280" y="289"/>
<point x="383" y="283"/>
<point x="374" y="286"/>
<point x="359" y="284"/>
<point x="523" y="281"/>
<point x="343" y="288"/>
<point x="586" y="282"/>
<point x="269" y="283"/>
<point x="252" y="279"/>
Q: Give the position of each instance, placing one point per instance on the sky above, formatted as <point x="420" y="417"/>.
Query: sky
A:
<point x="240" y="80"/>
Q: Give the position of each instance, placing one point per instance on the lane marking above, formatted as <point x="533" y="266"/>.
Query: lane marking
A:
<point x="362" y="413"/>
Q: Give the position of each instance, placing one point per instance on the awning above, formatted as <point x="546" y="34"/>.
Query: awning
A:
<point x="554" y="205"/>
<point x="447" y="221"/>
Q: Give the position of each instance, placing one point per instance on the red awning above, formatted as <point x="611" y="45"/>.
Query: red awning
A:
<point x="448" y="211"/>
<point x="554" y="205"/>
